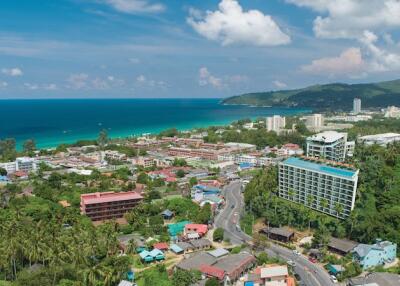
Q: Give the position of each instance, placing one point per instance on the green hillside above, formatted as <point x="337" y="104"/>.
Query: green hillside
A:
<point x="326" y="97"/>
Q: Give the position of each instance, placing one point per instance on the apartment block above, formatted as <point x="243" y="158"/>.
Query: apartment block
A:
<point x="356" y="105"/>
<point x="275" y="123"/>
<point x="319" y="186"/>
<point x="108" y="205"/>
<point x="329" y="145"/>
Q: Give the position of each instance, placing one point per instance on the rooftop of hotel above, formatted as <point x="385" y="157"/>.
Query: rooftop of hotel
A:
<point x="327" y="136"/>
<point x="97" y="198"/>
<point x="320" y="167"/>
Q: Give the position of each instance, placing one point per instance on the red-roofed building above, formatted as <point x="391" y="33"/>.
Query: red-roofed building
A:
<point x="108" y="205"/>
<point x="201" y="229"/>
<point x="212" y="271"/>
<point x="161" y="246"/>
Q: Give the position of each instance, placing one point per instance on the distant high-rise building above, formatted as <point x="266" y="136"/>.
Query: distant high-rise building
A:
<point x="356" y="105"/>
<point x="275" y="123"/>
<point x="314" y="121"/>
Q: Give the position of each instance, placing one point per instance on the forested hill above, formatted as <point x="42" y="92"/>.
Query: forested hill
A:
<point x="335" y="96"/>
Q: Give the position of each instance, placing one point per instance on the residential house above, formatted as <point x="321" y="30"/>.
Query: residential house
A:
<point x="372" y="255"/>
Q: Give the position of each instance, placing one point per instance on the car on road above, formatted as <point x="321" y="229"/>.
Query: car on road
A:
<point x="232" y="206"/>
<point x="296" y="252"/>
<point x="297" y="276"/>
<point x="334" y="279"/>
<point x="312" y="259"/>
<point x="291" y="263"/>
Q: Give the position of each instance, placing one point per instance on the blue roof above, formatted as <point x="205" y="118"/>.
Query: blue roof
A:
<point x="318" y="167"/>
<point x="175" y="248"/>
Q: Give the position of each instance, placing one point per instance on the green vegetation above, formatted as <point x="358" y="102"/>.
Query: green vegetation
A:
<point x="334" y="96"/>
<point x="376" y="212"/>
<point x="218" y="234"/>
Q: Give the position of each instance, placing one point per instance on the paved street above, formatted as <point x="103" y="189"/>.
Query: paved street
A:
<point x="310" y="273"/>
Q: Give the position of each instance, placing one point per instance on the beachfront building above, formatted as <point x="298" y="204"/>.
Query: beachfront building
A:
<point x="325" y="188"/>
<point x="356" y="105"/>
<point x="329" y="145"/>
<point x="108" y="205"/>
<point x="380" y="139"/>
<point x="275" y="123"/>
<point x="372" y="255"/>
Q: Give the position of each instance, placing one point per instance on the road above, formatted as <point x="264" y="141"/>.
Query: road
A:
<point x="311" y="274"/>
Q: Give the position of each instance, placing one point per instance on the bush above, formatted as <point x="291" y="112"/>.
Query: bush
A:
<point x="218" y="234"/>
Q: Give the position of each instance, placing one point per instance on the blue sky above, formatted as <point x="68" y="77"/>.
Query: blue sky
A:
<point x="208" y="48"/>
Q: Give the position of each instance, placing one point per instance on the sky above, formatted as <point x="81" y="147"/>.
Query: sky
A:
<point x="192" y="49"/>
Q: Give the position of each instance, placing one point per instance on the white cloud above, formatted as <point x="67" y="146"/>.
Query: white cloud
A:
<point x="232" y="25"/>
<point x="380" y="59"/>
<point x="349" y="62"/>
<point x="3" y="84"/>
<point x="35" y="86"/>
<point x="141" y="80"/>
<point x="206" y="78"/>
<point x="31" y="86"/>
<point x="12" y="72"/>
<point x="78" y="81"/>
<point x="349" y="18"/>
<point x="279" y="84"/>
<point x="135" y="6"/>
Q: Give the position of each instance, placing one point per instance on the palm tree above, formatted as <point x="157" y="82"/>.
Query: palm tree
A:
<point x="324" y="203"/>
<point x="338" y="209"/>
<point x="132" y="245"/>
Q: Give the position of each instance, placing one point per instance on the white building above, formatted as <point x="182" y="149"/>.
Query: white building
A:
<point x="26" y="164"/>
<point x="356" y="105"/>
<point x="314" y="121"/>
<point x="325" y="188"/>
<point x="10" y="167"/>
<point x="380" y="139"/>
<point x="275" y="123"/>
<point x="329" y="145"/>
<point x="392" y="112"/>
<point x="114" y="155"/>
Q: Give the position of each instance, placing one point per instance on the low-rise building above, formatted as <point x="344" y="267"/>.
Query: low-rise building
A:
<point x="372" y="255"/>
<point x="392" y="112"/>
<point x="108" y="205"/>
<point x="380" y="139"/>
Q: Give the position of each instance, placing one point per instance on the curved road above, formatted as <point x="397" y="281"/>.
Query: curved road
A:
<point x="310" y="273"/>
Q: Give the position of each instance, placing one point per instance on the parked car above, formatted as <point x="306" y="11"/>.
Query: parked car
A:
<point x="296" y="252"/>
<point x="291" y="263"/>
<point x="334" y="279"/>
<point x="312" y="259"/>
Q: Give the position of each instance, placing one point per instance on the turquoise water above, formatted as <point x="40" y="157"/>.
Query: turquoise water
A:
<point x="296" y="162"/>
<point x="52" y="122"/>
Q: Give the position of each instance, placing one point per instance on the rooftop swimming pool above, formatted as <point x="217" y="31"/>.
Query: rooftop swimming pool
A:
<point x="322" y="168"/>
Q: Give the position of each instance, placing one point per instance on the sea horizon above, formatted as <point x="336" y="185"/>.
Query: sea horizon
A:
<point x="51" y="122"/>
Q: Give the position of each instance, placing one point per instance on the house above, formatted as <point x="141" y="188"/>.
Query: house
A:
<point x="124" y="241"/>
<point x="174" y="229"/>
<point x="167" y="214"/>
<point x="281" y="234"/>
<point x="163" y="246"/>
<point x="212" y="271"/>
<point x="341" y="246"/>
<point x="64" y="203"/>
<point x="334" y="269"/>
<point x="371" y="255"/>
<point x="274" y="275"/>
<point x="231" y="267"/>
<point x="201" y="229"/>
<point x="176" y="249"/>
<point x="194" y="245"/>
<point x="150" y="256"/>
<point x="125" y="283"/>
<point x="376" y="278"/>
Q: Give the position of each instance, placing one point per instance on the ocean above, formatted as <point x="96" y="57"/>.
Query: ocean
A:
<point x="55" y="121"/>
